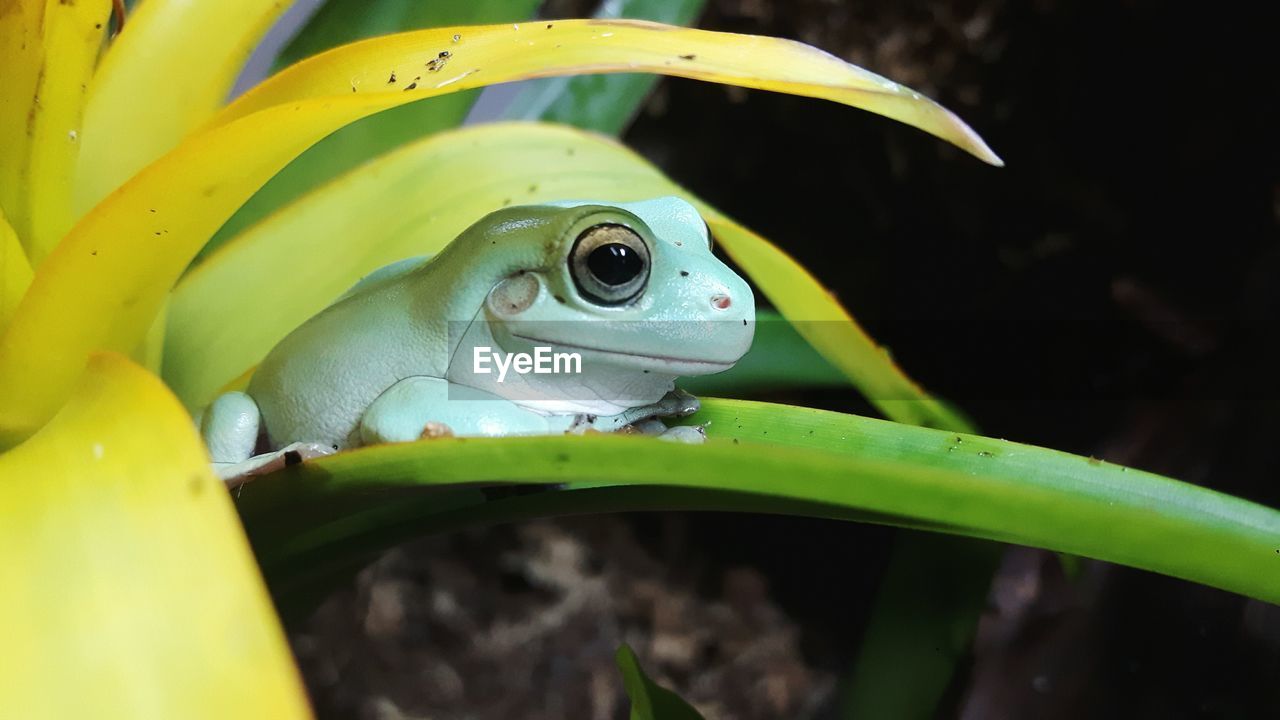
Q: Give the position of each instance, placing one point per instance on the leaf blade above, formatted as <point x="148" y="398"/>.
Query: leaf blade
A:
<point x="73" y="33"/>
<point x="649" y="700"/>
<point x="603" y="103"/>
<point x="342" y="21"/>
<point x="110" y="264"/>
<point x="21" y="55"/>
<point x="909" y="476"/>
<point x="138" y="595"/>
<point x="173" y="54"/>
<point x="15" y="271"/>
<point x="438" y="61"/>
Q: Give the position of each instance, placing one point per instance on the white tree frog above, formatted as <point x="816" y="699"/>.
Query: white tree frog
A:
<point x="632" y="289"/>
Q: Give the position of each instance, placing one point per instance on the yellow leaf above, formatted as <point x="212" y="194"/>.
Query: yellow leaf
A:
<point x="15" y="271"/>
<point x="414" y="201"/>
<point x="129" y="587"/>
<point x="73" y="34"/>
<point x="831" y="330"/>
<point x="103" y="285"/>
<point x="21" y="54"/>
<point x="449" y="59"/>
<point x="167" y="72"/>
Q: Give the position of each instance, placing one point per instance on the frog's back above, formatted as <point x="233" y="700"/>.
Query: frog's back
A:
<point x="316" y="383"/>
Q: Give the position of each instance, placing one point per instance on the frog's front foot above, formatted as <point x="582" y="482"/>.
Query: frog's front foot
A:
<point x="676" y="403"/>
<point x="435" y="430"/>
<point x="237" y="474"/>
<point x="690" y="434"/>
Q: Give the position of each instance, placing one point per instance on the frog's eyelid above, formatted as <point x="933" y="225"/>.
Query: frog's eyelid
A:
<point x="711" y="239"/>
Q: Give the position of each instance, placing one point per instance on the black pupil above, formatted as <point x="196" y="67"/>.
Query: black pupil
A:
<point x="614" y="264"/>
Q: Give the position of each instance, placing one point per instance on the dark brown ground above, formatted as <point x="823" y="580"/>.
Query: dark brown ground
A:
<point x="1112" y="292"/>
<point x="523" y="622"/>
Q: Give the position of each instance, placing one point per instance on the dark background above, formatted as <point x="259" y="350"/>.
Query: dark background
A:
<point x="1112" y="292"/>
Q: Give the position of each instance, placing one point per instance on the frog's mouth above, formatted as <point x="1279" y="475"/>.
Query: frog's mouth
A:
<point x="683" y="365"/>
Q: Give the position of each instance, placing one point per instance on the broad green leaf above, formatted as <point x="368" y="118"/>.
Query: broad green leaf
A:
<point x="106" y="281"/>
<point x="72" y="38"/>
<point x="769" y="458"/>
<point x="649" y="700"/>
<point x="21" y="57"/>
<point x="342" y="21"/>
<point x="164" y="74"/>
<point x="604" y="103"/>
<point x="413" y="202"/>
<point x="129" y="589"/>
<point x="15" y="271"/>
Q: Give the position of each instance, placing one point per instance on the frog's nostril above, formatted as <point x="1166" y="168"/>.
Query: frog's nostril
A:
<point x="721" y="302"/>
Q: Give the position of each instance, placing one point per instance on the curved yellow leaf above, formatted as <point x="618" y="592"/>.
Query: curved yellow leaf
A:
<point x="15" y="271"/>
<point x="21" y="53"/>
<point x="429" y="61"/>
<point x="821" y="319"/>
<point x="73" y="34"/>
<point x="414" y="201"/>
<point x="103" y="285"/>
<point x="165" y="74"/>
<point x="129" y="584"/>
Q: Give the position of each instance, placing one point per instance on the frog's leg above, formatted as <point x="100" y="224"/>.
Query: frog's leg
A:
<point x="646" y="419"/>
<point x="237" y="474"/>
<point x="691" y="434"/>
<point x="230" y="430"/>
<point x="418" y="407"/>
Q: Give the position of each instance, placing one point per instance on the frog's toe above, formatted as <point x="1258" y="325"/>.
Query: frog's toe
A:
<point x="298" y="452"/>
<point x="689" y="434"/>
<point x="435" y="430"/>
<point x="649" y="426"/>
<point x="676" y="403"/>
<point x="237" y="474"/>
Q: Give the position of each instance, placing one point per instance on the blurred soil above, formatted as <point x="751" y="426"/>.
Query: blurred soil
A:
<point x="523" y="622"/>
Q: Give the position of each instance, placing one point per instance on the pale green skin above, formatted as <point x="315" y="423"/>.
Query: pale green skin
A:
<point x="375" y="365"/>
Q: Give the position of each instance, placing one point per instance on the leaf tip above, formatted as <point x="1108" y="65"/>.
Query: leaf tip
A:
<point x="970" y="141"/>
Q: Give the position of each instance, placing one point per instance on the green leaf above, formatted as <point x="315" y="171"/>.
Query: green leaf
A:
<point x="649" y="700"/>
<point x="604" y="103"/>
<point x="343" y="21"/>
<point x="329" y="514"/>
<point x="926" y="611"/>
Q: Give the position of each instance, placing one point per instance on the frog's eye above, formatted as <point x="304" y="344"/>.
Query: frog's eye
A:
<point x="609" y="264"/>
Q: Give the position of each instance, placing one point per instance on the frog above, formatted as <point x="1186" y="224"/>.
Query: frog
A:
<point x="452" y="344"/>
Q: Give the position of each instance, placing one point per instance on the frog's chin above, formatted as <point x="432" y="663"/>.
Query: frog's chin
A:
<point x="670" y="364"/>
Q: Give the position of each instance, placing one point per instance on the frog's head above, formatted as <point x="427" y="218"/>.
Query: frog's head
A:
<point x="626" y="285"/>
